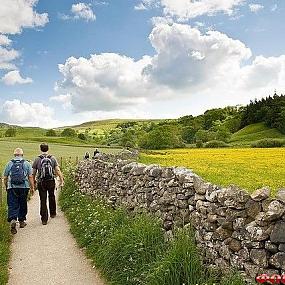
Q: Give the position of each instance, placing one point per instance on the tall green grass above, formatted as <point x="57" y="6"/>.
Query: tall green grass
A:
<point x="5" y="239"/>
<point x="132" y="250"/>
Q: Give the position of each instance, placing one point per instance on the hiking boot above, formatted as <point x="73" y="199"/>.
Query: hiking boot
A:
<point x="13" y="225"/>
<point x="53" y="216"/>
<point x="22" y="224"/>
<point x="44" y="223"/>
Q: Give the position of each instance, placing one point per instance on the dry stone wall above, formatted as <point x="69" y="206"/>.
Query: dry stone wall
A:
<point x="233" y="228"/>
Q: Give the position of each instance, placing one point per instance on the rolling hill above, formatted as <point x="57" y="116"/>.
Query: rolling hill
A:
<point x="253" y="133"/>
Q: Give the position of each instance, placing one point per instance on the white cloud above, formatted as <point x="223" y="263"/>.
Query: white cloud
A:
<point x="147" y="4"/>
<point x="184" y="10"/>
<point x="64" y="99"/>
<point x="187" y="63"/>
<point x="103" y="82"/>
<point x="18" y="14"/>
<point x="13" y="77"/>
<point x="4" y="40"/>
<point x="255" y="7"/>
<point x="83" y="11"/>
<point x="25" y="114"/>
<point x="7" y="56"/>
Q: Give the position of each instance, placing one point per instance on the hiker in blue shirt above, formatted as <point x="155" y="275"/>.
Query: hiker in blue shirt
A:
<point x="18" y="180"/>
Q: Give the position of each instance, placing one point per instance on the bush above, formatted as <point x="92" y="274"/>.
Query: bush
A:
<point x="68" y="132"/>
<point x="215" y="144"/>
<point x="199" y="144"/>
<point x="268" y="143"/>
<point x="51" y="133"/>
<point x="11" y="132"/>
<point x="82" y="136"/>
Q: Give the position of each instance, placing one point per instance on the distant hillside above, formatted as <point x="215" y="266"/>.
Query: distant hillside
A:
<point x="253" y="133"/>
<point x="107" y="125"/>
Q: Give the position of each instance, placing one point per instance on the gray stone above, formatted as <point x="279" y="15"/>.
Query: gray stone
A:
<point x="153" y="170"/>
<point x="281" y="195"/>
<point x="272" y="248"/>
<point x="275" y="211"/>
<point x="224" y="252"/>
<point x="278" y="260"/>
<point x="281" y="247"/>
<point x="243" y="254"/>
<point x="221" y="234"/>
<point x="259" y="257"/>
<point x="239" y="223"/>
<point x="256" y="233"/>
<point x="278" y="233"/>
<point x="252" y="208"/>
<point x="235" y="245"/>
<point x="260" y="194"/>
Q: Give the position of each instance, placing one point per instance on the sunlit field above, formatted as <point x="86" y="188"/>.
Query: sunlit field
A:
<point x="248" y="168"/>
<point x="31" y="150"/>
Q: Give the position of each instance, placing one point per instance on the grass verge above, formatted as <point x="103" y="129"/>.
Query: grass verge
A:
<point x="5" y="239"/>
<point x="132" y="250"/>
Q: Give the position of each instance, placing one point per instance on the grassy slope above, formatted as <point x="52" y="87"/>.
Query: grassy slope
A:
<point x="246" y="167"/>
<point x="253" y="133"/>
<point x="5" y="239"/>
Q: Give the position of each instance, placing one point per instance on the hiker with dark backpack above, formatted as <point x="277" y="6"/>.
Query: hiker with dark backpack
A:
<point x="45" y="170"/>
<point x="18" y="180"/>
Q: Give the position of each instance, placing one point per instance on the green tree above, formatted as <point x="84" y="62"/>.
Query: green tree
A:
<point x="82" y="136"/>
<point x="162" y="137"/>
<point x="11" y="132"/>
<point x="68" y="132"/>
<point x="51" y="133"/>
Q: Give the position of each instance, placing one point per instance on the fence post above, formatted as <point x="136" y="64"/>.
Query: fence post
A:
<point x="61" y="162"/>
<point x="76" y="159"/>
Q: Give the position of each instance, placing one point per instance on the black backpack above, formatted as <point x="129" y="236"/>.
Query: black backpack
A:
<point x="17" y="172"/>
<point x="46" y="170"/>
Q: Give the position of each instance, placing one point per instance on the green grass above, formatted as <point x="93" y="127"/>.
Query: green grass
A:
<point x="253" y="133"/>
<point x="249" y="168"/>
<point x="5" y="239"/>
<point x="31" y="150"/>
<point x="132" y="250"/>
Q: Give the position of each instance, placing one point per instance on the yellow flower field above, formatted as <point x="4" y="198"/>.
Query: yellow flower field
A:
<point x="249" y="168"/>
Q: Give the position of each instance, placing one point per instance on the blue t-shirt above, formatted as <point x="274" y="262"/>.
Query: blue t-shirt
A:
<point x="27" y="170"/>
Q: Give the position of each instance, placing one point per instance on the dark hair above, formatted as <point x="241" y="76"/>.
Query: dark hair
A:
<point x="44" y="147"/>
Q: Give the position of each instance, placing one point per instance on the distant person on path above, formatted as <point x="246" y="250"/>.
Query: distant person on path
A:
<point x="87" y="155"/>
<point x="18" y="180"/>
<point x="45" y="170"/>
<point x="96" y="153"/>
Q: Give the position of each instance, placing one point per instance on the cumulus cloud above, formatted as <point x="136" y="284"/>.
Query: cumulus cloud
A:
<point x="4" y="40"/>
<point x="63" y="99"/>
<point x="83" y="11"/>
<point x="186" y="63"/>
<point x="106" y="82"/>
<point x="147" y="4"/>
<point x="14" y="77"/>
<point x="7" y="56"/>
<point x="18" y="14"/>
<point x="184" y="10"/>
<point x="25" y="114"/>
<point x="255" y="7"/>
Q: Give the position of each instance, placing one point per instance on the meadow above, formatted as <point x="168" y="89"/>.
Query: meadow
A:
<point x="245" y="167"/>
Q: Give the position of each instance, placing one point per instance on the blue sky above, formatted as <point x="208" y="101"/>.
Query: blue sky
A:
<point x="151" y="58"/>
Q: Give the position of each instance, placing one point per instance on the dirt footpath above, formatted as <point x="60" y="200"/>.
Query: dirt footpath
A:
<point x="48" y="255"/>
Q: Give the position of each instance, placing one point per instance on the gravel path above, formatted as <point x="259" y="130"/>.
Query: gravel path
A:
<point x="48" y="255"/>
